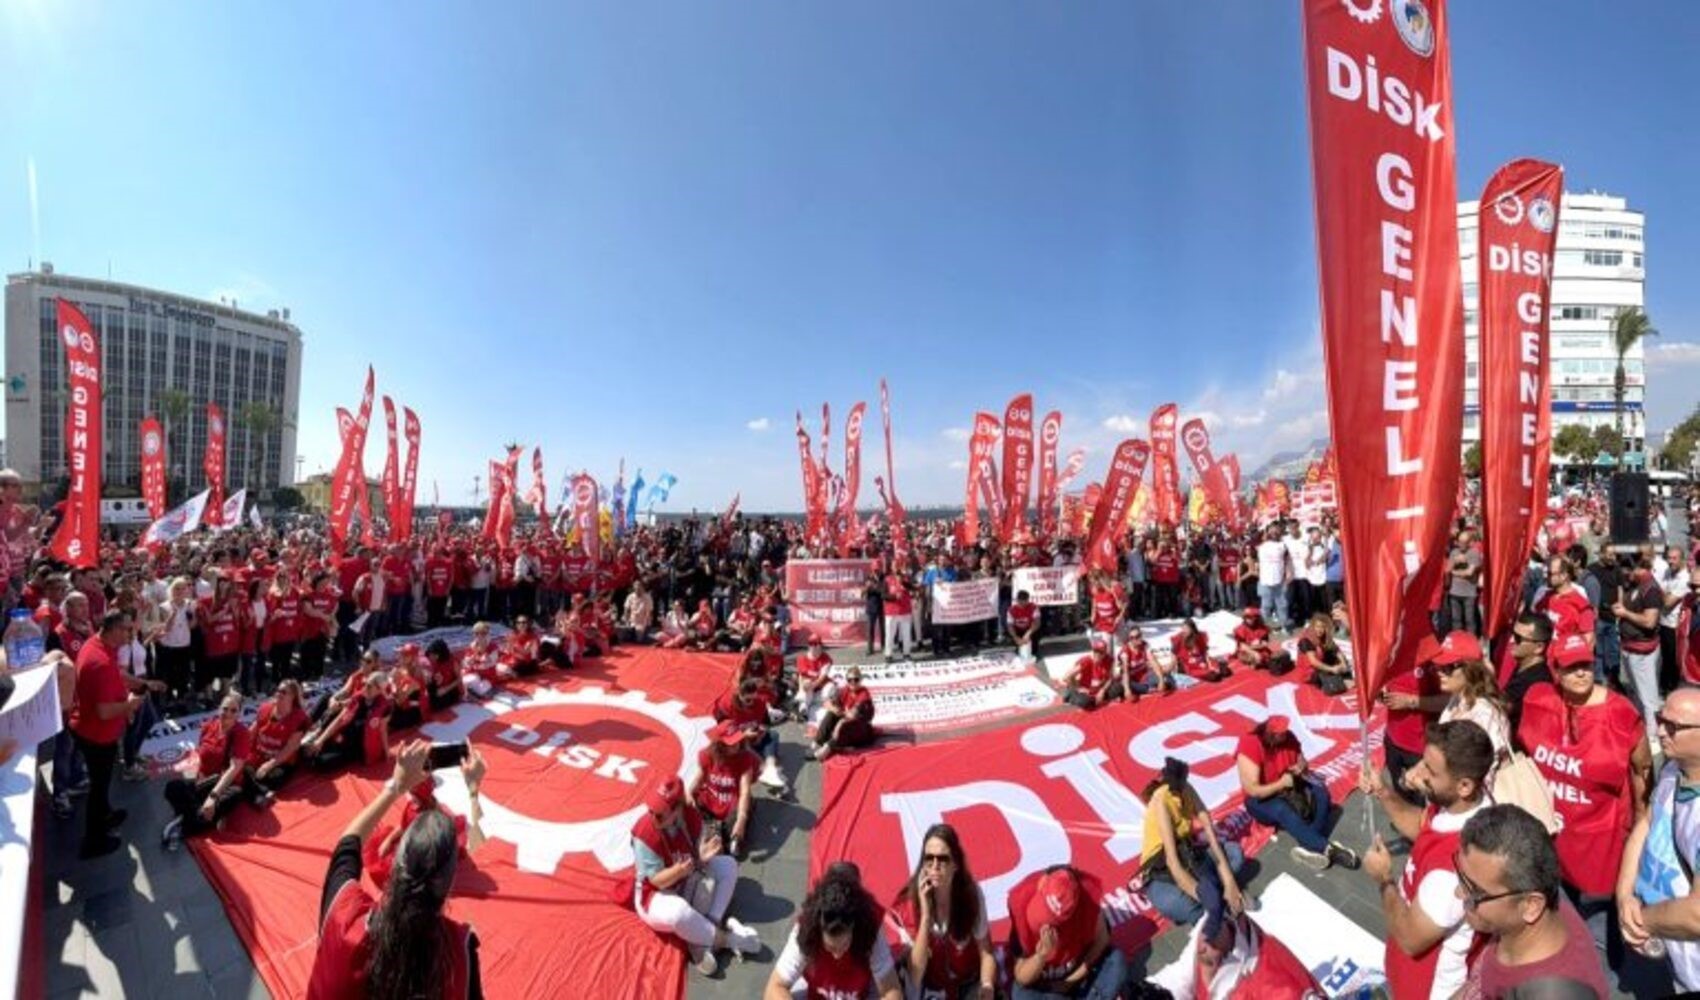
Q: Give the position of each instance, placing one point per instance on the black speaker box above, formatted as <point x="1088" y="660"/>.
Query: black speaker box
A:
<point x="1628" y="508"/>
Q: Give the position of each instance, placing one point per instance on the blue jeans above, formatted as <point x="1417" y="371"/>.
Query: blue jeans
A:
<point x="1608" y="653"/>
<point x="136" y="730"/>
<point x="1180" y="908"/>
<point x="1103" y="983"/>
<point x="1272" y="600"/>
<point x="1277" y="812"/>
<point x="68" y="767"/>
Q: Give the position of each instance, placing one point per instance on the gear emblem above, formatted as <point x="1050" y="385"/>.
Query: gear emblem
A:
<point x="539" y="845"/>
<point x="1363" y="11"/>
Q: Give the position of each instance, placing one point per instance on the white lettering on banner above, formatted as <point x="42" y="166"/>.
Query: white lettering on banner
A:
<point x="578" y="755"/>
<point x="1049" y="586"/>
<point x="1388" y="96"/>
<point x="958" y="602"/>
<point x="1040" y="839"/>
<point x="1066" y="757"/>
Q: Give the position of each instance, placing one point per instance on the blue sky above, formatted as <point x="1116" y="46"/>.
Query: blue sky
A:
<point x="654" y="230"/>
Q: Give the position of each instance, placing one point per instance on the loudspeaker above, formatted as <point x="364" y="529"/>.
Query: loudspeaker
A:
<point x="1628" y="508"/>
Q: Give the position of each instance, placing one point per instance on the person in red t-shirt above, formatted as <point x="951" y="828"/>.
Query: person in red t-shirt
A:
<point x="1093" y="680"/>
<point x="1140" y="671"/>
<point x="701" y="629"/>
<point x="101" y="709"/>
<point x="1023" y="624"/>
<point x="359" y="732"/>
<point x="1251" y="639"/>
<point x="1191" y="650"/>
<point x="318" y="623"/>
<point x="723" y="789"/>
<point x="899" y="616"/>
<point x="205" y="796"/>
<point x="836" y="947"/>
<point x="1059" y="943"/>
<point x="439" y="578"/>
<point x="407" y="688"/>
<point x="283" y="622"/>
<point x="76" y="628"/>
<point x="277" y="733"/>
<point x="1566" y="603"/>
<point x="1281" y="791"/>
<point x="940" y="914"/>
<point x="814" y="679"/>
<point x="520" y="648"/>
<point x="443" y="686"/>
<point x="849" y="718"/>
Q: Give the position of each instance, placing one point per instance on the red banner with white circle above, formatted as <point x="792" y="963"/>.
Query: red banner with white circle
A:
<point x="153" y="467"/>
<point x="77" y="540"/>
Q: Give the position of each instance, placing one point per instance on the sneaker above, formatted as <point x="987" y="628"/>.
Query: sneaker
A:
<point x="171" y="838"/>
<point x="1343" y="856"/>
<point x="99" y="848"/>
<point x="705" y="961"/>
<point x="742" y="938"/>
<point x="137" y="771"/>
<point x="1314" y="860"/>
<point x="80" y="788"/>
<point x="770" y="775"/>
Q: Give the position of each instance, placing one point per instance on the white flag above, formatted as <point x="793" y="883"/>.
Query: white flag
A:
<point x="254" y="518"/>
<point x="232" y="511"/>
<point x="178" y="521"/>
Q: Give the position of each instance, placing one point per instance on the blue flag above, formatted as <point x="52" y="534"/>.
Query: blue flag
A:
<point x="663" y="486"/>
<point x="632" y="500"/>
<point x="617" y="509"/>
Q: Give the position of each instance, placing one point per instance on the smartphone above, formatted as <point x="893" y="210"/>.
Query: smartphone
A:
<point x="447" y="755"/>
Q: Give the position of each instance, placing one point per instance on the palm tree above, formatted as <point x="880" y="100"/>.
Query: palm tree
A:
<point x="260" y="420"/>
<point x="1627" y="330"/>
<point x="174" y="408"/>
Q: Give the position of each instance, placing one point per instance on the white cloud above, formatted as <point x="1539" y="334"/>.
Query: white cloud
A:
<point x="759" y="424"/>
<point x="248" y="292"/>
<point x="957" y="433"/>
<point x="1672" y="354"/>
<point x="957" y="464"/>
<point x="1121" y="423"/>
<point x="1287" y="383"/>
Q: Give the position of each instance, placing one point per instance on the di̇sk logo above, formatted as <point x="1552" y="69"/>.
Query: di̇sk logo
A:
<point x="854" y="431"/>
<point x="1195" y="438"/>
<point x="1048" y="432"/>
<point x="1509" y="208"/>
<point x="569" y="769"/>
<point x="1542" y="215"/>
<point x="583" y="493"/>
<point x="216" y="425"/>
<point x="75" y="340"/>
<point x="1363" y="11"/>
<point x="150" y="444"/>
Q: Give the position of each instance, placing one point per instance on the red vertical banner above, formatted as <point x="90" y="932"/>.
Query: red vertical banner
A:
<point x="510" y="487"/>
<point x="348" y="483"/>
<point x="852" y="477"/>
<point x="1165" y="471"/>
<point x="1076" y="462"/>
<point x="584" y="516"/>
<point x="1380" y="99"/>
<point x="492" y="512"/>
<point x="212" y="463"/>
<point x="1519" y="228"/>
<point x="980" y="444"/>
<point x="153" y="468"/>
<point x="885" y="418"/>
<point x="811" y="484"/>
<point x="410" y="475"/>
<point x="1050" y="430"/>
<point x="1017" y="461"/>
<point x="1109" y="515"/>
<point x="392" y="467"/>
<point x="77" y="540"/>
<point x="539" y="495"/>
<point x="1210" y="474"/>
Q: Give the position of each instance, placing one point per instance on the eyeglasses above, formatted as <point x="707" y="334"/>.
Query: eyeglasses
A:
<point x="937" y="859"/>
<point x="1474" y="897"/>
<point x="1520" y="637"/>
<point x="1672" y="726"/>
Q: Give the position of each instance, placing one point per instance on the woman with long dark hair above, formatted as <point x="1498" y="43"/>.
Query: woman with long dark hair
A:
<point x="836" y="946"/>
<point x="942" y="914"/>
<point x="399" y="946"/>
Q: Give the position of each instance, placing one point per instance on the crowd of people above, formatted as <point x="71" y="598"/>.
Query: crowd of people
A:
<point x="1540" y="777"/>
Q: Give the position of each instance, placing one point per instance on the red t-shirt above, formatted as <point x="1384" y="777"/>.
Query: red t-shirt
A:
<point x="1091" y="673"/>
<point x="71" y="640"/>
<point x="1569" y="610"/>
<point x="897" y="600"/>
<point x="1406" y="726"/>
<point x="98" y="682"/>
<point x="1106" y="607"/>
<point x="398" y="575"/>
<point x="1256" y="637"/>
<point x="438" y="574"/>
<point x="350" y="572"/>
<point x="1271" y="762"/>
<point x="1021" y="616"/>
<point x="1166" y="568"/>
<point x="809" y="667"/>
<point x="271" y="733"/>
<point x="283" y="616"/>
<point x="1074" y="935"/>
<point x="722" y="777"/>
<point x="221" y="627"/>
<point x="218" y="748"/>
<point x="1135" y="661"/>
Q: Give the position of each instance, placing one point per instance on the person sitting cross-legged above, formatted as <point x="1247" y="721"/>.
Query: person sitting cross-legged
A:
<point x="1280" y="791"/>
<point x="683" y="879"/>
<point x="1093" y="682"/>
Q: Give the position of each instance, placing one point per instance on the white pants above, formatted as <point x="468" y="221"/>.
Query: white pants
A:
<point x="693" y="911"/>
<point x="807" y="704"/>
<point x="901" y="627"/>
<point x="1641" y="671"/>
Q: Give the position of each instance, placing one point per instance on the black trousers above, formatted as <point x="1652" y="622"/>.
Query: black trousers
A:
<point x="173" y="663"/>
<point x="187" y="797"/>
<point x="283" y="660"/>
<point x="1670" y="671"/>
<point x="313" y="657"/>
<point x="436" y="611"/>
<point x="253" y="785"/>
<point x="101" y="759"/>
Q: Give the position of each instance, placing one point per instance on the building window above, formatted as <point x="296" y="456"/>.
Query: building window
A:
<point x="1603" y="258"/>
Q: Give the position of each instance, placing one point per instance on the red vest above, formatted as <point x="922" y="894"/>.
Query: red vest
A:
<point x="1588" y="772"/>
<point x="220" y="628"/>
<point x="672" y="846"/>
<point x="345" y="950"/>
<point x="1410" y="976"/>
<point x="951" y="964"/>
<point x="846" y="978"/>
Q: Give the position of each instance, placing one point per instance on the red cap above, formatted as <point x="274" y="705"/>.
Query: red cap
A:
<point x="665" y="795"/>
<point x="1251" y="610"/>
<point x="1570" y="651"/>
<point x="1054" y="902"/>
<point x="408" y="648"/>
<point x="1275" y="725"/>
<point x="1458" y="647"/>
<point x="1098" y="644"/>
<point x="728" y="732"/>
<point x="1428" y="647"/>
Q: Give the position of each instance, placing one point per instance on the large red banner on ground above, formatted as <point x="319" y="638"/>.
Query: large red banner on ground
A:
<point x="1017" y="461"/>
<point x="569" y="766"/>
<point x="1519" y="228"/>
<point x="1392" y="321"/>
<point x="77" y="540"/>
<point x="153" y="468"/>
<point x="826" y="599"/>
<point x="1165" y="471"/>
<point x="1068" y="790"/>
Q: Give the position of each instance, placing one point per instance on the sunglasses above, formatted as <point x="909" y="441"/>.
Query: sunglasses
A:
<point x="1520" y="637"/>
<point x="1672" y="726"/>
<point x="1474" y="897"/>
<point x="937" y="859"/>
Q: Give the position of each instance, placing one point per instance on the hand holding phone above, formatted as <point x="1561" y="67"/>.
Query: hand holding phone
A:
<point x="447" y="755"/>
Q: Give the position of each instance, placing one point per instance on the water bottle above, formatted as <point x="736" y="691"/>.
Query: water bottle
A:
<point x="25" y="643"/>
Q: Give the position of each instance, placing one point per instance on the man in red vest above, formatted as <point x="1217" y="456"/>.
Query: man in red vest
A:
<point x="1429" y="946"/>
